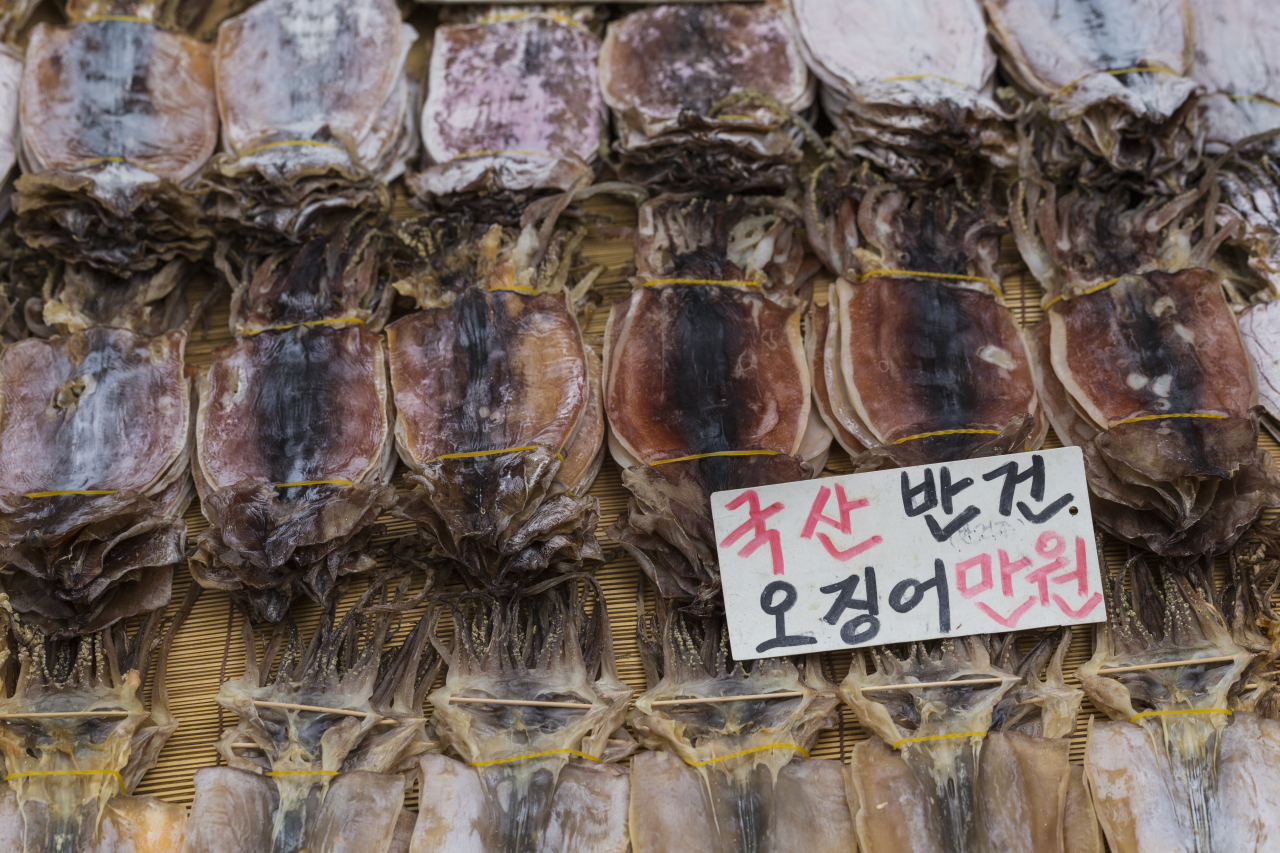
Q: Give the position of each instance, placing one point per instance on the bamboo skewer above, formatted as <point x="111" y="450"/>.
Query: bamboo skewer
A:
<point x="292" y="706"/>
<point x="535" y="703"/>
<point x="711" y="700"/>
<point x="965" y="682"/>
<point x="1165" y="665"/>
<point x="44" y="715"/>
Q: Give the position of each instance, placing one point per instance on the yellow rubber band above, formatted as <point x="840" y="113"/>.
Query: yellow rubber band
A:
<point x="498" y="152"/>
<point x="1055" y="300"/>
<point x="1116" y="73"/>
<point x="1137" y="717"/>
<point x="303" y="773"/>
<point x="1260" y="99"/>
<point x="1166" y="417"/>
<point x="898" y="744"/>
<point x="126" y="19"/>
<point x="717" y="453"/>
<point x="926" y="77"/>
<point x="30" y="773"/>
<point x="476" y="453"/>
<point x="519" y="16"/>
<point x="337" y="321"/>
<point x="293" y="143"/>
<point x="917" y="274"/>
<point x="657" y="282"/>
<point x="493" y="761"/>
<point x="753" y="749"/>
<point x="518" y="288"/>
<point x="71" y="492"/>
<point x="732" y="117"/>
<point x="314" y="483"/>
<point x="948" y="432"/>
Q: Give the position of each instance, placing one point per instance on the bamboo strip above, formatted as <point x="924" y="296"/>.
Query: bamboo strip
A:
<point x="965" y="682"/>
<point x="711" y="700"/>
<point x="45" y="715"/>
<point x="535" y="703"/>
<point x="1165" y="665"/>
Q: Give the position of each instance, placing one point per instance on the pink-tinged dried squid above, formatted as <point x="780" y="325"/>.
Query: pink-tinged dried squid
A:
<point x="69" y="778"/>
<point x="294" y="443"/>
<point x="706" y="382"/>
<point x="527" y="778"/>
<point x="918" y="359"/>
<point x="706" y="96"/>
<point x="1140" y="362"/>
<point x="921" y="99"/>
<point x="732" y="777"/>
<point x="513" y="110"/>
<point x="959" y="768"/>
<point x="1185" y="764"/>
<point x="1238" y="69"/>
<point x="1113" y="80"/>
<point x="331" y="780"/>
<point x="91" y="515"/>
<point x="492" y="383"/>
<point x="118" y="118"/>
<point x="314" y="102"/>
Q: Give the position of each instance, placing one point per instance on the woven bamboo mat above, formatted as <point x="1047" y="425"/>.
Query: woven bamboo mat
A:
<point x="209" y="650"/>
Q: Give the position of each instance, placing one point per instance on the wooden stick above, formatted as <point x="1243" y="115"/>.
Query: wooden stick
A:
<point x="1166" y="665"/>
<point x="711" y="700"/>
<point x="534" y="703"/>
<point x="291" y="706"/>
<point x="964" y="682"/>
<point x="44" y="715"/>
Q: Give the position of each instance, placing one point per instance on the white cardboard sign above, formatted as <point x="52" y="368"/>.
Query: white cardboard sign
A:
<point x="977" y="546"/>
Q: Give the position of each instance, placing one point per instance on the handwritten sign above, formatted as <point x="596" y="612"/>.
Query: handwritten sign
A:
<point x="971" y="547"/>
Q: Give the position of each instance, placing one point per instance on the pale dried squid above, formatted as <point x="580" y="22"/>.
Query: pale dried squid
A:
<point x="916" y="358"/>
<point x="1185" y="764"/>
<point x="496" y="408"/>
<point x="314" y="102"/>
<point x="1140" y="362"/>
<point x="963" y="768"/>
<point x="294" y="444"/>
<point x="1238" y="69"/>
<point x="118" y="118"/>
<point x="922" y="100"/>
<point x="706" y="96"/>
<point x="513" y="109"/>
<point x="76" y="737"/>
<point x="731" y="777"/>
<point x="706" y="383"/>
<point x="331" y="775"/>
<point x="1112" y="83"/>
<point x="91" y="521"/>
<point x="14" y="15"/>
<point x="530" y="778"/>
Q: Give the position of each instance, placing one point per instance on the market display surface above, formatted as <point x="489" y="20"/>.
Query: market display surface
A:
<point x="398" y="404"/>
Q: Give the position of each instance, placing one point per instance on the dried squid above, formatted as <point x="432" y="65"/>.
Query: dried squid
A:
<point x="513" y="110"/>
<point x="495" y="418"/>
<point x="1113" y="79"/>
<point x="528" y="779"/>
<point x="1140" y="362"/>
<point x="13" y="18"/>
<point x="294" y="447"/>
<point x="118" y="118"/>
<point x="921" y="99"/>
<point x="69" y="777"/>
<point x="706" y="383"/>
<point x="706" y="96"/>
<point x="732" y="777"/>
<point x="1237" y="67"/>
<point x="1177" y="768"/>
<point x="916" y="358"/>
<point x="91" y="514"/>
<point x="959" y="767"/>
<point x="315" y="112"/>
<point x="331" y="780"/>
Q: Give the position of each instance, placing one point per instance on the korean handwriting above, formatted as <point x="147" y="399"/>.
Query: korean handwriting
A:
<point x="1034" y="473"/>
<point x="975" y="577"/>
<point x="759" y="530"/>
<point x="930" y="496"/>
<point x="777" y="608"/>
